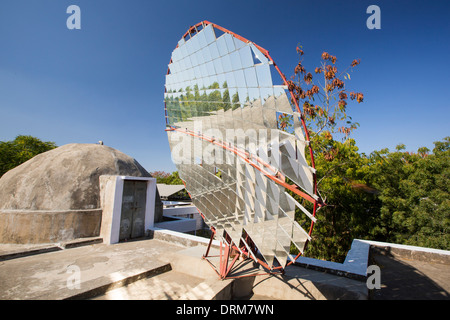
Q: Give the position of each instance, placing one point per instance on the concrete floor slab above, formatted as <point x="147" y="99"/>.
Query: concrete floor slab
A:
<point x="403" y="278"/>
<point x="164" y="270"/>
<point x="54" y="275"/>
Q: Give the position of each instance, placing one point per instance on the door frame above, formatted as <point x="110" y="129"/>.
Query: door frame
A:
<point x="111" y="198"/>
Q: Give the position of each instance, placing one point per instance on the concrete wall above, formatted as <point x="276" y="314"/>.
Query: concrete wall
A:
<point x="185" y="210"/>
<point x="411" y="252"/>
<point x="30" y="227"/>
<point x="51" y="226"/>
<point x="178" y="224"/>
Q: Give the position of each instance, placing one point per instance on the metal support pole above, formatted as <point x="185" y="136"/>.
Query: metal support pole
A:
<point x="213" y="232"/>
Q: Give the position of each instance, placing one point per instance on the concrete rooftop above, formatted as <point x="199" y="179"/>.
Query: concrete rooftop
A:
<point x="171" y="268"/>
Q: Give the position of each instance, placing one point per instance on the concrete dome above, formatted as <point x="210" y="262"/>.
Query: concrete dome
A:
<point x="65" y="178"/>
<point x="55" y="196"/>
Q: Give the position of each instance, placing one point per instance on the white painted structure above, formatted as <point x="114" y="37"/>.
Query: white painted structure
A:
<point x="166" y="190"/>
<point x="111" y="192"/>
<point x="184" y="211"/>
<point x="357" y="259"/>
<point x="178" y="224"/>
<point x="180" y="216"/>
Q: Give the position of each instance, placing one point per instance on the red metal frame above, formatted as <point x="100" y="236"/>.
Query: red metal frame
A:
<point x="256" y="162"/>
<point x="226" y="249"/>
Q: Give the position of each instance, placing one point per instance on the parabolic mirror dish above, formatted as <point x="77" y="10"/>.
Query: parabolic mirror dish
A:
<point x="238" y="143"/>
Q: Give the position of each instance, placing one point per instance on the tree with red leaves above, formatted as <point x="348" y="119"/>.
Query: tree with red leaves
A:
<point x="324" y="99"/>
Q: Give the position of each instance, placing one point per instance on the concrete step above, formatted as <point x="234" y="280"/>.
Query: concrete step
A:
<point x="170" y="285"/>
<point x="191" y="278"/>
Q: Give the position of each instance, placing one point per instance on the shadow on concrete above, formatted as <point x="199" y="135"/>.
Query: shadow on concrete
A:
<point x="303" y="284"/>
<point x="407" y="279"/>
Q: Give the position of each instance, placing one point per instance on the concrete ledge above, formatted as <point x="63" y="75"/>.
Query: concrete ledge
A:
<point x="411" y="252"/>
<point x="40" y="226"/>
<point x="81" y="242"/>
<point x="13" y="251"/>
<point x="102" y="285"/>
<point x="184" y="239"/>
<point x="357" y="260"/>
<point x="354" y="266"/>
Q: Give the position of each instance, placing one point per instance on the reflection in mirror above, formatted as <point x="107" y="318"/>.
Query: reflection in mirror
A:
<point x="246" y="57"/>
<point x="206" y="54"/>
<point x="240" y="78"/>
<point x="253" y="94"/>
<point x="279" y="91"/>
<point x="214" y="82"/>
<point x="201" y="39"/>
<point x="199" y="57"/>
<point x="285" y="122"/>
<point x="194" y="60"/>
<point x="218" y="66"/>
<point x="222" y="46"/>
<point x="243" y="95"/>
<point x="199" y="83"/>
<point x="181" y="65"/>
<point x="210" y="68"/>
<point x="209" y="34"/>
<point x="183" y="52"/>
<point x="197" y="72"/>
<point x="176" y="54"/>
<point x="189" y="75"/>
<point x="226" y="97"/>
<point x="221" y="79"/>
<point x="263" y="74"/>
<point x="250" y="77"/>
<point x="282" y="103"/>
<point x="238" y="43"/>
<point x="181" y="42"/>
<point x="230" y="42"/>
<point x="226" y="63"/>
<point x="203" y="70"/>
<point x="195" y="44"/>
<point x="188" y="47"/>
<point x="231" y="82"/>
<point x="214" y="51"/>
<point x="267" y="93"/>
<point x="235" y="60"/>
<point x="258" y="57"/>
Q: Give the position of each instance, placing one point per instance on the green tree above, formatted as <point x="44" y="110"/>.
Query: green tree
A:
<point x="167" y="178"/>
<point x="170" y="178"/>
<point x="19" y="150"/>
<point x="414" y="190"/>
<point x="352" y="204"/>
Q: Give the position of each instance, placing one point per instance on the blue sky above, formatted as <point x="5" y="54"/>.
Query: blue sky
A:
<point x="106" y="81"/>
